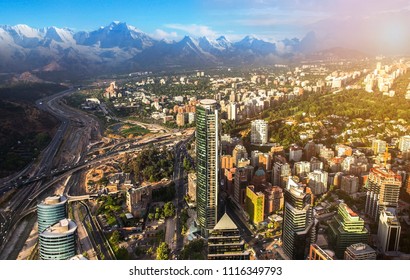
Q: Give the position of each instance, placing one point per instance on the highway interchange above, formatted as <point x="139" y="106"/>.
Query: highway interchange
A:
<point x="63" y="157"/>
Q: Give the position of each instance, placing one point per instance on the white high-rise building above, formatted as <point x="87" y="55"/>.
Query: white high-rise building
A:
<point x="389" y="230"/>
<point x="404" y="143"/>
<point x="259" y="132"/>
<point x="318" y="181"/>
<point x="232" y="111"/>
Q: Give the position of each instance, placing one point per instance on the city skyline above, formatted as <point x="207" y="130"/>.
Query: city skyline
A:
<point x="216" y="130"/>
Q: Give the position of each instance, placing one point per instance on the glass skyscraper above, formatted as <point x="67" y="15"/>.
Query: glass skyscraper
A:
<point x="298" y="221"/>
<point x="207" y="151"/>
<point x="50" y="211"/>
<point x="58" y="242"/>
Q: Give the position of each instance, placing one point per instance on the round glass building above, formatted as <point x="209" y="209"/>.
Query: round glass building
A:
<point x="58" y="242"/>
<point x="50" y="211"/>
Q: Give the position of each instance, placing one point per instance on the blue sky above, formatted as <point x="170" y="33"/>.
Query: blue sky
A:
<point x="267" y="19"/>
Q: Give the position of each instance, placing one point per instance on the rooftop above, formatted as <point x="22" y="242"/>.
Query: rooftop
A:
<point x="62" y="227"/>
<point x="208" y="101"/>
<point x="360" y="248"/>
<point x="348" y="210"/>
<point x="225" y="223"/>
<point x="56" y="199"/>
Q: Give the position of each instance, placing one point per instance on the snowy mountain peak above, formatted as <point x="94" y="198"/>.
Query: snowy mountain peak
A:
<point x="223" y="42"/>
<point x="116" y="34"/>
<point x="62" y="35"/>
<point x="119" y="46"/>
<point x="250" y="39"/>
<point x="24" y="30"/>
<point x="188" y="40"/>
<point x="222" y="38"/>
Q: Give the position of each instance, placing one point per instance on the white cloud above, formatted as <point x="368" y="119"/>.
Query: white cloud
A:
<point x="194" y="29"/>
<point x="160" y="34"/>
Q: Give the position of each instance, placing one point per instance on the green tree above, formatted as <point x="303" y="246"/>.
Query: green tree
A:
<point x="194" y="250"/>
<point x="163" y="251"/>
<point x="169" y="209"/>
<point x="115" y="238"/>
<point x="186" y="164"/>
<point x="122" y="254"/>
<point x="151" y="216"/>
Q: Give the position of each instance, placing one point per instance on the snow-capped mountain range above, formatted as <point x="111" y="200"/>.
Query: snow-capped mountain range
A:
<point x="121" y="47"/>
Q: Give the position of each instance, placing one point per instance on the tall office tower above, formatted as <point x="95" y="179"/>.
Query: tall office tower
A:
<point x="383" y="188"/>
<point x="238" y="153"/>
<point x="50" y="211"/>
<point x="298" y="221"/>
<point x="310" y="150"/>
<point x="350" y="184"/>
<point x="225" y="242"/>
<point x="389" y="230"/>
<point x="255" y="205"/>
<point x="259" y="132"/>
<point x="58" y="242"/>
<point x="318" y="181"/>
<point x="207" y="153"/>
<point x="346" y="228"/>
<point x="404" y="143"/>
<point x="360" y="251"/>
<point x="301" y="168"/>
<point x="378" y="146"/>
<point x="316" y="253"/>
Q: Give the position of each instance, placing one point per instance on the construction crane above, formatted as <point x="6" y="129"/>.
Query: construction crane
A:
<point x="387" y="155"/>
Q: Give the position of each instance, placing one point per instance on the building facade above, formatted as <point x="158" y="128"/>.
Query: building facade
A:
<point x="389" y="230"/>
<point x="225" y="242"/>
<point x="207" y="152"/>
<point x="58" y="242"/>
<point x="298" y="221"/>
<point x="383" y="189"/>
<point x="378" y="146"/>
<point x="259" y="132"/>
<point x="360" y="251"/>
<point x="255" y="205"/>
<point x="273" y="199"/>
<point x="345" y="229"/>
<point x="50" y="211"/>
<point x="318" y="254"/>
<point x="350" y="184"/>
<point x="318" y="181"/>
<point x="404" y="143"/>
